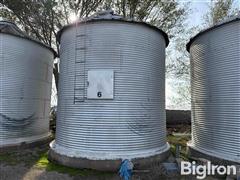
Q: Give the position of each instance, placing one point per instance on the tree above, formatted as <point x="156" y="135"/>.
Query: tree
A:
<point x="219" y="10"/>
<point x="167" y="15"/>
<point x="42" y="19"/>
<point x="5" y="14"/>
<point x="37" y="18"/>
<point x="178" y="68"/>
<point x="179" y="60"/>
<point x="179" y="65"/>
<point x="180" y="97"/>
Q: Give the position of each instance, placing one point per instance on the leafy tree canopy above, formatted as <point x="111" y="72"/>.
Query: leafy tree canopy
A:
<point x="42" y="19"/>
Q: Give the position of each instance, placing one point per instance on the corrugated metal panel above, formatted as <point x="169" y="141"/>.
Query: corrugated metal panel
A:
<point x="215" y="81"/>
<point x="25" y="90"/>
<point x="133" y="123"/>
<point x="7" y="27"/>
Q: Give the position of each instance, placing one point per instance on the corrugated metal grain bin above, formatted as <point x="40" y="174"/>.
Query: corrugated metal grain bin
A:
<point x="111" y="93"/>
<point x="25" y="87"/>
<point x="215" y="82"/>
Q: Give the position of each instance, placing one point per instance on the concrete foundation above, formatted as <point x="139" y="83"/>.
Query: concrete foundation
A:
<point x="195" y="153"/>
<point x="26" y="145"/>
<point x="105" y="165"/>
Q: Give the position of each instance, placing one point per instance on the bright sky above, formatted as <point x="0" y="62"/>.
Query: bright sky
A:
<point x="198" y="9"/>
<point x="195" y="18"/>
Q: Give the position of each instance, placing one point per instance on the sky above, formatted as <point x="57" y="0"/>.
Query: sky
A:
<point x="195" y="18"/>
<point x="198" y="9"/>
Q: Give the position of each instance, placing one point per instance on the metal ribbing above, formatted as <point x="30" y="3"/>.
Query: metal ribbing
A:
<point x="215" y="81"/>
<point x="25" y="90"/>
<point x="134" y="121"/>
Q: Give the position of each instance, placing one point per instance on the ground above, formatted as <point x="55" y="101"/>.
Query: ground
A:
<point x="32" y="164"/>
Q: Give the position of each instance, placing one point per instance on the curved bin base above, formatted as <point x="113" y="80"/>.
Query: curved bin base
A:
<point x="195" y="153"/>
<point x="104" y="165"/>
<point x="25" y="145"/>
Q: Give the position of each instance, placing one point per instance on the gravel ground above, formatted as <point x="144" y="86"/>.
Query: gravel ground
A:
<point x="21" y="172"/>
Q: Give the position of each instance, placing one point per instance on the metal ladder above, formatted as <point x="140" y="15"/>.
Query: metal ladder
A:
<point x="79" y="71"/>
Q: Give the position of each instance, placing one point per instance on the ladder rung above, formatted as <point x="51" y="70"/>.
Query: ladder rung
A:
<point x="80" y="62"/>
<point x="80" y="35"/>
<point x="79" y="75"/>
<point x="79" y="89"/>
<point x="78" y="100"/>
<point x="80" y="48"/>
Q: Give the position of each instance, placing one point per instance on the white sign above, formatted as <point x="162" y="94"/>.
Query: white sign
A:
<point x="100" y="84"/>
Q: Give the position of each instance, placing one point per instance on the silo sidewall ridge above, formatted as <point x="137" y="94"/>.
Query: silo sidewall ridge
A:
<point x="26" y="81"/>
<point x="127" y="119"/>
<point x="215" y="87"/>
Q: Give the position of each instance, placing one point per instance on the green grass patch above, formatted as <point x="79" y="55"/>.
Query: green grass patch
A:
<point x="25" y="156"/>
<point x="180" y="141"/>
<point x="38" y="158"/>
<point x="9" y="158"/>
<point x="44" y="163"/>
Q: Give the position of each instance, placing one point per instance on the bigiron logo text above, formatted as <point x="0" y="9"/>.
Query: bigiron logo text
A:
<point x="202" y="171"/>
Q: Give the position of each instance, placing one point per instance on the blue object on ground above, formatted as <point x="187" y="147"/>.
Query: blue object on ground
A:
<point x="125" y="170"/>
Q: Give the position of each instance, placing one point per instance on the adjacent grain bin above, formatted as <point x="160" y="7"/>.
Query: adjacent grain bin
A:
<point x="25" y="88"/>
<point x="111" y="94"/>
<point x="215" y="82"/>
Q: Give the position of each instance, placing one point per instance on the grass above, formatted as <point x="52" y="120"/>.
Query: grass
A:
<point x="8" y="157"/>
<point x="44" y="163"/>
<point x="27" y="156"/>
<point x="38" y="158"/>
<point x="182" y="142"/>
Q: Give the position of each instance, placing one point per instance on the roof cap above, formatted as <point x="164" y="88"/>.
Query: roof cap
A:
<point x="8" y="27"/>
<point x="109" y="15"/>
<point x="219" y="24"/>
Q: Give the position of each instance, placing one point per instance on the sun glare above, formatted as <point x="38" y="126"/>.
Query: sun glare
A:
<point x="73" y="17"/>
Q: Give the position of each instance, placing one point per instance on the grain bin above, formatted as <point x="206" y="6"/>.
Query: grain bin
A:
<point x="25" y="88"/>
<point x="111" y="93"/>
<point x="215" y="83"/>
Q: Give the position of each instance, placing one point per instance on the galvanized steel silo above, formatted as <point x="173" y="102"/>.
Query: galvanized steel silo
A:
<point x="111" y="93"/>
<point x="25" y="87"/>
<point x="215" y="82"/>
